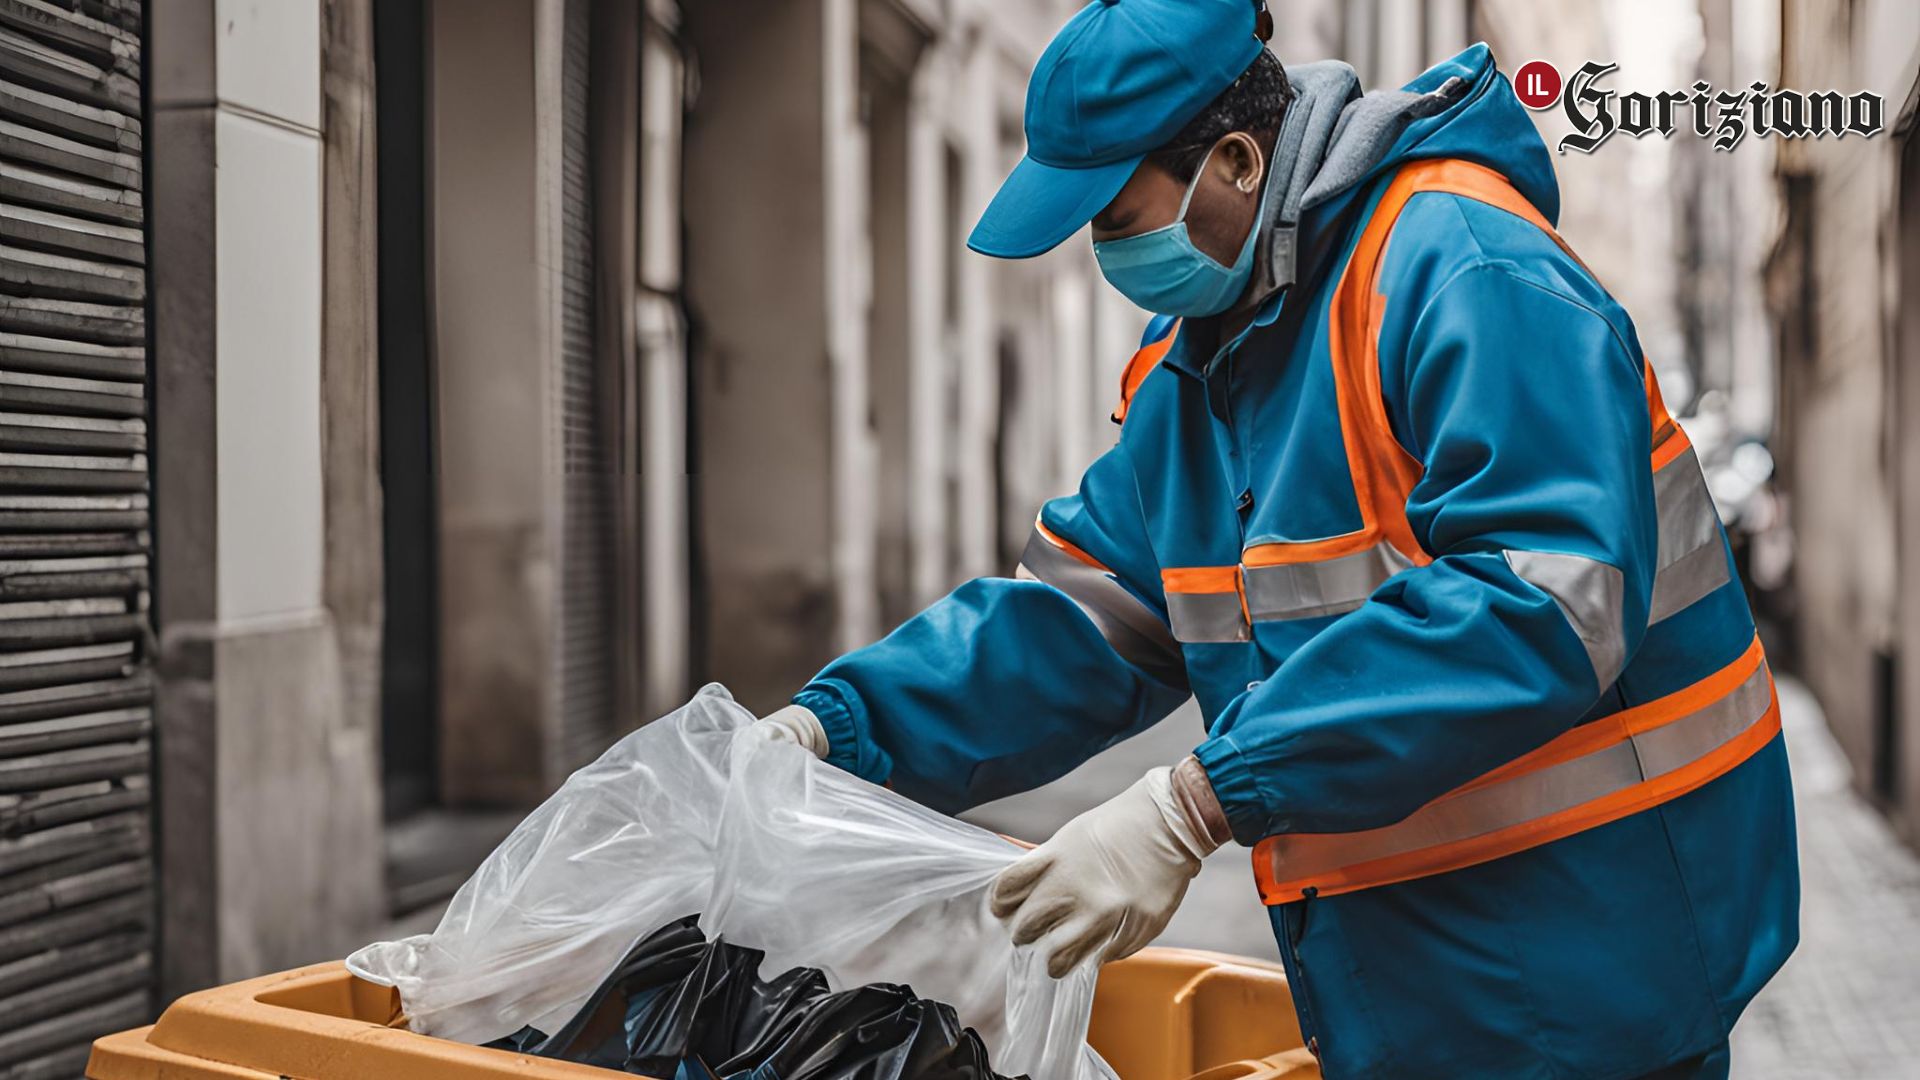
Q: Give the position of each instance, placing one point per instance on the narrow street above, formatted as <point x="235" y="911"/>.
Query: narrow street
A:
<point x="1847" y="1004"/>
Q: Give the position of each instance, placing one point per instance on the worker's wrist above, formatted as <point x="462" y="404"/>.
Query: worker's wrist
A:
<point x="800" y="722"/>
<point x="1193" y="794"/>
<point x="843" y="718"/>
<point x="1187" y="830"/>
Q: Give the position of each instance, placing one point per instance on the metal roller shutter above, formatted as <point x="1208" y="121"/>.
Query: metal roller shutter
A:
<point x="76" y="688"/>
<point x="587" y="584"/>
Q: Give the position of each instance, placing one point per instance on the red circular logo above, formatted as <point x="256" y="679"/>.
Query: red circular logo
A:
<point x="1537" y="85"/>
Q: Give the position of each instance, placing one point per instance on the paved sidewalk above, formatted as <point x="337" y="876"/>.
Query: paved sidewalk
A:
<point x="1848" y="1002"/>
<point x="1846" y="1005"/>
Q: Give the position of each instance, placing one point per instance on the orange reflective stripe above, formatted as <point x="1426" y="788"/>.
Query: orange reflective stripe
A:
<point x="1475" y="850"/>
<point x="1144" y="361"/>
<point x="1669" y="438"/>
<point x="1608" y="730"/>
<point x="1439" y="838"/>
<point x="1691" y="699"/>
<point x="1067" y="546"/>
<point x="1206" y="603"/>
<point x="1481" y="184"/>
<point x="1201" y="579"/>
<point x="1383" y="472"/>
<point x="1469" y="851"/>
<point x="1670" y="448"/>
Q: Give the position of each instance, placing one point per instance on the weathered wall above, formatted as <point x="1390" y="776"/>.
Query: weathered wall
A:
<point x="268" y="798"/>
<point x="757" y="304"/>
<point x="1836" y="293"/>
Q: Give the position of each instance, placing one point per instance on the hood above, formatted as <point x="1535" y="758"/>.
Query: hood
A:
<point x="1483" y="123"/>
<point x="1336" y="141"/>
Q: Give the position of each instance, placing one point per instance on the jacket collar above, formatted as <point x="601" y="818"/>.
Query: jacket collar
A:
<point x="1332" y="140"/>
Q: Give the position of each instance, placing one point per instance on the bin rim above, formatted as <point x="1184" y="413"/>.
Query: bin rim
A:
<point x="323" y="1021"/>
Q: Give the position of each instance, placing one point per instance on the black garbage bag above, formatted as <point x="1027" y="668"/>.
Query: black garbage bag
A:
<point x="597" y="1034"/>
<point x="684" y="1008"/>
<point x="874" y="1032"/>
<point x="716" y="1008"/>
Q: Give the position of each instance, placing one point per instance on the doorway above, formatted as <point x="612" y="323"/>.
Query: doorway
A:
<point x="410" y="707"/>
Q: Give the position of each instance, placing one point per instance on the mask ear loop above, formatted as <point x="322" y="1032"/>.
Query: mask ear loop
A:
<point x="1193" y="185"/>
<point x="1241" y="184"/>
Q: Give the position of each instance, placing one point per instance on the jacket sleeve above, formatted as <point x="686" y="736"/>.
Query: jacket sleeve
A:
<point x="1008" y="683"/>
<point x="1527" y="410"/>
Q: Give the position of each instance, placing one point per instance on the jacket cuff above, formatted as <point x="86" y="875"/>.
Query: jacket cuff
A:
<point x="1237" y="787"/>
<point x="1193" y="793"/>
<point x="844" y="718"/>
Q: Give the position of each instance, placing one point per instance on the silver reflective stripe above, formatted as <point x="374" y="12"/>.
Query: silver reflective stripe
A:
<point x="1327" y="587"/>
<point x="1677" y="586"/>
<point x="1134" y="631"/>
<point x="1691" y="562"/>
<point x="1206" y="617"/>
<point x="1687" y="740"/>
<point x="1589" y="594"/>
<point x="1534" y="795"/>
<point x="1462" y="817"/>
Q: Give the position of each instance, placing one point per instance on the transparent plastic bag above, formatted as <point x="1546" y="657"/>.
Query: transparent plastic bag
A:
<point x="774" y="850"/>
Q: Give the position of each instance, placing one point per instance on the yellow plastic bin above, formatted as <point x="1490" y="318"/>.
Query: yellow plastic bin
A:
<point x="1165" y="1014"/>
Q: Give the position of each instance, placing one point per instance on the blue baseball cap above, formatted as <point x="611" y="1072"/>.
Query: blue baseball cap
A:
<point x="1120" y="79"/>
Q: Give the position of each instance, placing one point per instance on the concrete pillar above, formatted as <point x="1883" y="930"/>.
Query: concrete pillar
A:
<point x="847" y="275"/>
<point x="1072" y="360"/>
<point x="984" y="163"/>
<point x="763" y="371"/>
<point x="666" y="565"/>
<point x="1360" y="40"/>
<point x="353" y="567"/>
<point x="1447" y="29"/>
<point x="1401" y="52"/>
<point x="1307" y="30"/>
<point x="931" y="233"/>
<point x="890" y="338"/>
<point x="268" y="798"/>
<point x="1756" y="47"/>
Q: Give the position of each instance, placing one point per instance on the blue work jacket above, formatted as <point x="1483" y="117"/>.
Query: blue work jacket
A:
<point x="1516" y="390"/>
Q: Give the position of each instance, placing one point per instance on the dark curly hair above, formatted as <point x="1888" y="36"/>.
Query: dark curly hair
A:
<point x="1254" y="104"/>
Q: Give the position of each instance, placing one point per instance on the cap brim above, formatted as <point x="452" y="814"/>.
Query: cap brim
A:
<point x="1041" y="205"/>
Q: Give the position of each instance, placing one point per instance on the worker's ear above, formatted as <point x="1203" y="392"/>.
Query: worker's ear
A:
<point x="1237" y="160"/>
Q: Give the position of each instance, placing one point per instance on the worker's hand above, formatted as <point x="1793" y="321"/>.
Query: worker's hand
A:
<point x="795" y="724"/>
<point x="1110" y="879"/>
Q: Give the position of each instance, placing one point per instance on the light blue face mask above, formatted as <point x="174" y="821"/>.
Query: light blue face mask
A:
<point x="1163" y="272"/>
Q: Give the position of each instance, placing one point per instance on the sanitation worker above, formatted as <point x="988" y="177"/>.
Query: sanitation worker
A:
<point x="1397" y="500"/>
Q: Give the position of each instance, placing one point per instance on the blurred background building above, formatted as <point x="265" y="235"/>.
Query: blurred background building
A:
<point x="1842" y="275"/>
<point x="399" y="401"/>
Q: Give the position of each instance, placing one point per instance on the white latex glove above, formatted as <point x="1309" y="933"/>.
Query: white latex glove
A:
<point x="795" y="724"/>
<point x="1109" y="880"/>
